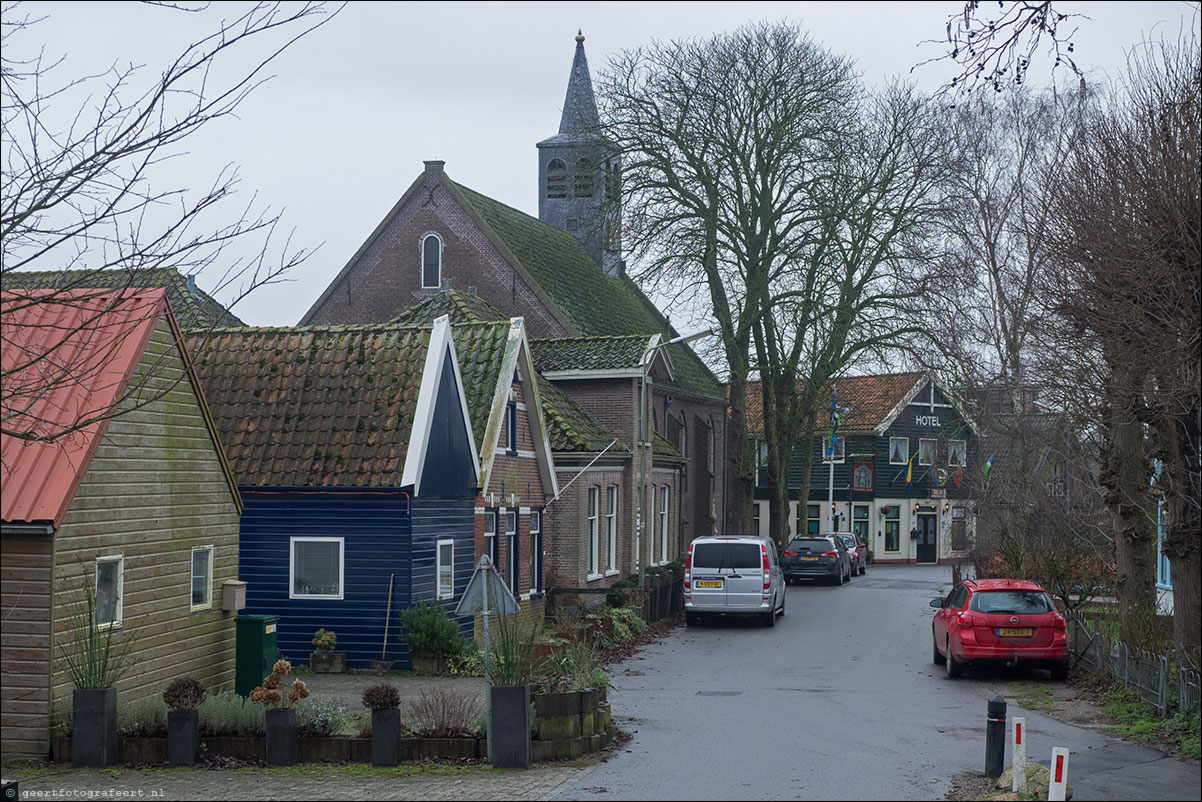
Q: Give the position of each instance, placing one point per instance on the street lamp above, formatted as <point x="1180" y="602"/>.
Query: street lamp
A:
<point x="643" y="560"/>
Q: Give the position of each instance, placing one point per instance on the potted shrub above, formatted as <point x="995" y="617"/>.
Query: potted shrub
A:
<point x="95" y="654"/>
<point x="324" y="660"/>
<point x="182" y="697"/>
<point x="433" y="636"/>
<point x="384" y="702"/>
<point x="280" y="716"/>
<point x="511" y="671"/>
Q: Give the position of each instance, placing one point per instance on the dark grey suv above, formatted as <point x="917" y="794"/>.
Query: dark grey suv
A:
<point x="816" y="557"/>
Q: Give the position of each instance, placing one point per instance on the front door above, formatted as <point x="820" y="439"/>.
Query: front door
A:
<point x="926" y="539"/>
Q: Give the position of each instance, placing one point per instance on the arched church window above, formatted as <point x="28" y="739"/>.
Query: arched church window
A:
<point x="583" y="184"/>
<point x="431" y="261"/>
<point x="557" y="179"/>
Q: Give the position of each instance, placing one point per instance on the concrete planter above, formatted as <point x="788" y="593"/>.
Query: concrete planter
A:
<point x="557" y="715"/>
<point x="94" y="727"/>
<point x="327" y="662"/>
<point x="427" y="664"/>
<point x="281" y="737"/>
<point x="385" y="737"/>
<point x="509" y="727"/>
<point x="183" y="737"/>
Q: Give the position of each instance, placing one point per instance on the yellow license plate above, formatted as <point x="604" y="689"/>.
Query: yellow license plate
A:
<point x="709" y="583"/>
<point x="809" y="559"/>
<point x="1015" y="632"/>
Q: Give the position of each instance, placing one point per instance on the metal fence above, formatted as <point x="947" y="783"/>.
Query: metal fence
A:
<point x="1148" y="674"/>
<point x="663" y="596"/>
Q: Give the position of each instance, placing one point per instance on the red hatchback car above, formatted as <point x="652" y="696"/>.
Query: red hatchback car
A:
<point x="1000" y="622"/>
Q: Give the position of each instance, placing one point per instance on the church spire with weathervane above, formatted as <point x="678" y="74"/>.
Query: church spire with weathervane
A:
<point x="576" y="176"/>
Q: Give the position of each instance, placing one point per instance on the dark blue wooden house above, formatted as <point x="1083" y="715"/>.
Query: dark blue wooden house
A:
<point x="353" y="449"/>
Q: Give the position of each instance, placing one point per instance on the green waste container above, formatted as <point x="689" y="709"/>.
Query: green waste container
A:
<point x="256" y="651"/>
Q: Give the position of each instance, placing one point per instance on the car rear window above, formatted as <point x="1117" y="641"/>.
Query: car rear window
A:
<point x="1018" y="602"/>
<point x="849" y="542"/>
<point x="813" y="544"/>
<point x="727" y="555"/>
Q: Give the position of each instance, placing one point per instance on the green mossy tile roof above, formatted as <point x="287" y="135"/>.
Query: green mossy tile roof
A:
<point x="590" y="353"/>
<point x="596" y="304"/>
<point x="461" y="307"/>
<point x="480" y="349"/>
<point x="570" y="429"/>
<point x="193" y="308"/>
<point x="321" y="406"/>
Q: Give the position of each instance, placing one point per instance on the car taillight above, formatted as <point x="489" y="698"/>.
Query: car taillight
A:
<point x="790" y="554"/>
<point x="1058" y="621"/>
<point x="764" y="554"/>
<point x="966" y="620"/>
<point x="830" y="554"/>
<point x="688" y="559"/>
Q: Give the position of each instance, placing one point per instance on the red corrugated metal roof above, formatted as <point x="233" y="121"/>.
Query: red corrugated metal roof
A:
<point x="66" y="359"/>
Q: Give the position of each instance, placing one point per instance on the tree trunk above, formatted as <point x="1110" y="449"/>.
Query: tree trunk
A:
<point x="740" y="486"/>
<point x="1125" y="476"/>
<point x="1181" y="483"/>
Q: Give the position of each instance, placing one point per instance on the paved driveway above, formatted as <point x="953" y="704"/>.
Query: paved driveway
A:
<point x="839" y="701"/>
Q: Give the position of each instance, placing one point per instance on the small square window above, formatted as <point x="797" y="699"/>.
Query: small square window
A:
<point x="926" y="451"/>
<point x="957" y="453"/>
<point x="835" y="454"/>
<point x="316" y="568"/>
<point x="899" y="450"/>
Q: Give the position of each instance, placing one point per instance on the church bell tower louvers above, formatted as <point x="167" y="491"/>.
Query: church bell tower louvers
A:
<point x="576" y="176"/>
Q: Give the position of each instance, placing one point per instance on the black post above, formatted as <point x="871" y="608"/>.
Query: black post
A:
<point x="995" y="736"/>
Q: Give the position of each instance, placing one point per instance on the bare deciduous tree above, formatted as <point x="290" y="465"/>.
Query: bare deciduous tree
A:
<point x="1127" y="285"/>
<point x="722" y="141"/>
<point x="83" y="186"/>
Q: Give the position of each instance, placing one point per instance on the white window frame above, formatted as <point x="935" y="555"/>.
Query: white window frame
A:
<point x="611" y="528"/>
<point x="840" y="450"/>
<point x="905" y="450"/>
<point x="440" y="593"/>
<point x="934" y="450"/>
<point x="663" y="523"/>
<point x="960" y="446"/>
<point x="536" y="546"/>
<point x="709" y="457"/>
<point x="421" y="247"/>
<point x="292" y="541"/>
<point x="594" y="504"/>
<point x="513" y="567"/>
<point x="207" y="604"/>
<point x="119" y="591"/>
<point x="651" y="493"/>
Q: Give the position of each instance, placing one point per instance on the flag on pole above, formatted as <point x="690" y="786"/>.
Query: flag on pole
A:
<point x="834" y="427"/>
<point x="910" y="471"/>
<point x="988" y="466"/>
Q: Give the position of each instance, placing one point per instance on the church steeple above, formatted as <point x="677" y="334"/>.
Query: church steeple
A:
<point x="580" y="105"/>
<point x="576" y="175"/>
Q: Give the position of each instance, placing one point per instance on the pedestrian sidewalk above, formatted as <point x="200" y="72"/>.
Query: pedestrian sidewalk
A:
<point x="310" y="781"/>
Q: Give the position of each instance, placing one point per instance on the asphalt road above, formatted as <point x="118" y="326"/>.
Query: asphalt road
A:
<point x="840" y="700"/>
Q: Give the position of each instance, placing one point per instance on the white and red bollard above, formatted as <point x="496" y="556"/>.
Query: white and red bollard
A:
<point x="1018" y="748"/>
<point x="1058" y="781"/>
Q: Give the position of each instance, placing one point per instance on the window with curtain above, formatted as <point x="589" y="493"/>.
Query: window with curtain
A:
<point x="316" y="568"/>
<point x="663" y="523"/>
<point x="536" y="551"/>
<point x="446" y="568"/>
<point x="490" y="535"/>
<point x="893" y="528"/>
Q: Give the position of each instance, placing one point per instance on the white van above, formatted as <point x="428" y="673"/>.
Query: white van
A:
<point x="733" y="576"/>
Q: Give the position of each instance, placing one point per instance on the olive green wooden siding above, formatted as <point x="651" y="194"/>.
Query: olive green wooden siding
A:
<point x="155" y="489"/>
<point x="25" y="568"/>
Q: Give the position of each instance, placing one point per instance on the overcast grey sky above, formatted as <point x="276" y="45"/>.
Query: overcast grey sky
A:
<point x="342" y="129"/>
